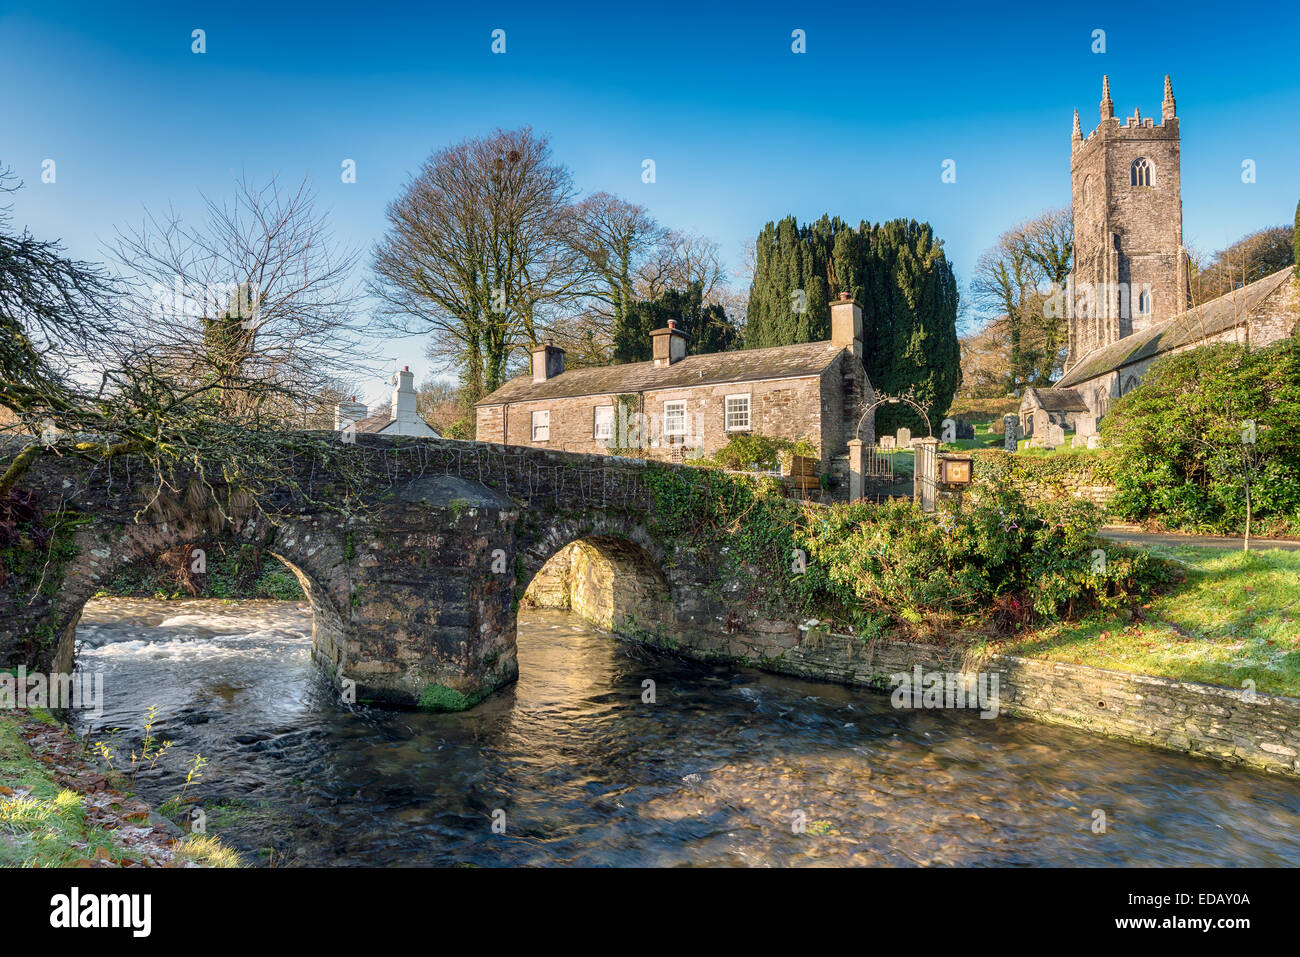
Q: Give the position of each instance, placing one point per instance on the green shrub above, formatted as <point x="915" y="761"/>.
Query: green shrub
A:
<point x="869" y="566"/>
<point x="920" y="569"/>
<point x="1177" y="439"/>
<point x="749" y="450"/>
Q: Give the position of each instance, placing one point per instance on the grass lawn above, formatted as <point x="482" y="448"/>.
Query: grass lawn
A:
<point x="1235" y="617"/>
<point x="982" y="440"/>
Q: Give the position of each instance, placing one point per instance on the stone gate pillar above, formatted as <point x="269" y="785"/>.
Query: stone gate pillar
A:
<point x="856" y="447"/>
<point x="925" y="471"/>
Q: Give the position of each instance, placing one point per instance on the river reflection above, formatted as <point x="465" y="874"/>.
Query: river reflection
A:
<point x="714" y="772"/>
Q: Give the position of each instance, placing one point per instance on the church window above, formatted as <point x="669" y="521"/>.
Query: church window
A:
<point x="1142" y="173"/>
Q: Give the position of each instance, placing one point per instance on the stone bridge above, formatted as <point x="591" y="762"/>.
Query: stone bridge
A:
<point x="414" y="596"/>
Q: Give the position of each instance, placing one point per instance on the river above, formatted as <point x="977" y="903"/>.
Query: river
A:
<point x="574" y="768"/>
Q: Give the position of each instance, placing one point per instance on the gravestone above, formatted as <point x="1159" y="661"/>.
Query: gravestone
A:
<point x="887" y="443"/>
<point x="1038" y="425"/>
<point x="904" y="438"/>
<point x="1011" y="431"/>
<point x="1054" y="437"/>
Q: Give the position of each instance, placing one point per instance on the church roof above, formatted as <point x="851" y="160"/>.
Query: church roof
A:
<point x="1057" y="400"/>
<point x="1200" y="322"/>
<point x="742" y="365"/>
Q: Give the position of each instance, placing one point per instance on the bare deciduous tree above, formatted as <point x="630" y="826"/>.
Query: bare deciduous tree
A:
<point x="1252" y="257"/>
<point x="477" y="253"/>
<point x="257" y="300"/>
<point x="90" y="366"/>
<point x="1011" y="288"/>
<point x="679" y="260"/>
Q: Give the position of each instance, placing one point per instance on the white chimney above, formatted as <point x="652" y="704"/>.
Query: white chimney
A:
<point x="349" y="413"/>
<point x="404" y="397"/>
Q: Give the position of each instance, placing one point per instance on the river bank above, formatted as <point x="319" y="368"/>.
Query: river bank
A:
<point x="61" y="808"/>
<point x="1209" y="666"/>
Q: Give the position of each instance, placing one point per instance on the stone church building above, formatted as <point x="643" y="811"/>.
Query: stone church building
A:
<point x="1129" y="298"/>
<point x="679" y="405"/>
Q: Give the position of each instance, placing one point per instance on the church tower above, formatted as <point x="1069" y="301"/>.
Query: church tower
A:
<point x="1130" y="267"/>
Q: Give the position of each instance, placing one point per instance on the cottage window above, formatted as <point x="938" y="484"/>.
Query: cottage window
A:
<point x="1141" y="173"/>
<point x="542" y="426"/>
<point x="603" y="423"/>
<point x="737" y="416"/>
<point x="675" y="418"/>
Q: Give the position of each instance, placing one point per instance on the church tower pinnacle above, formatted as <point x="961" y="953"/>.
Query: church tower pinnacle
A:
<point x="1130" y="267"/>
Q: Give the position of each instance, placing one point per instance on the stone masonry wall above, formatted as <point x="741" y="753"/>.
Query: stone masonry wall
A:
<point x="780" y="408"/>
<point x="550" y="587"/>
<point x="1047" y="480"/>
<point x="1183" y="716"/>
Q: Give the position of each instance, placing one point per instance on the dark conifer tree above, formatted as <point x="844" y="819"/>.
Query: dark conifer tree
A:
<point x="896" y="270"/>
<point x="706" y="325"/>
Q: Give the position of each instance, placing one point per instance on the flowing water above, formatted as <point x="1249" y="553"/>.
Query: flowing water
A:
<point x="715" y="772"/>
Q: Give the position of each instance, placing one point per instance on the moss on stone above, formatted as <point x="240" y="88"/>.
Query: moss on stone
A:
<point x="436" y="697"/>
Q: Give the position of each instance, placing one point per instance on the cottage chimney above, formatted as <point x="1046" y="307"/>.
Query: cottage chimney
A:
<point x="846" y="324"/>
<point x="668" y="344"/>
<point x="404" y="397"/>
<point x="349" y="413"/>
<point x="548" y="362"/>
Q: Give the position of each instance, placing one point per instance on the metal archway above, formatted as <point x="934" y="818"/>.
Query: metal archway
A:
<point x="893" y="400"/>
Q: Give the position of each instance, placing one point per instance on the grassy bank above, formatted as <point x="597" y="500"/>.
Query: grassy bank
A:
<point x="1235" y="617"/>
<point x="58" y="811"/>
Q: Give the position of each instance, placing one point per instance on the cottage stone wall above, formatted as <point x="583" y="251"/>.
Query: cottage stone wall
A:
<point x="779" y="408"/>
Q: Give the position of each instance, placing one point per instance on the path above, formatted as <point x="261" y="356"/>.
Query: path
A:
<point x="1129" y="536"/>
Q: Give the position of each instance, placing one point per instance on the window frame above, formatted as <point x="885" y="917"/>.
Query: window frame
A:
<point x="534" y="425"/>
<point x="749" y="412"/>
<point x="595" y="422"/>
<point x="1148" y="172"/>
<point x="674" y="403"/>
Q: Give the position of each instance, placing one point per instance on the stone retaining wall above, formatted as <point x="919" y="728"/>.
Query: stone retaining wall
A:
<point x="1046" y="479"/>
<point x="1260" y="730"/>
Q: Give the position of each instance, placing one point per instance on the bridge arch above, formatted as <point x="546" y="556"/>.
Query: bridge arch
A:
<point x="605" y="568"/>
<point x="415" y="590"/>
<point x="104" y="548"/>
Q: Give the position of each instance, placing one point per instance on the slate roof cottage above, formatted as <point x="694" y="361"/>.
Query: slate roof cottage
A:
<point x="676" y="403"/>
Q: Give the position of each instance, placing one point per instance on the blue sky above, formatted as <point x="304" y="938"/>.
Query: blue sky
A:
<point x="741" y="129"/>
